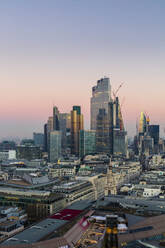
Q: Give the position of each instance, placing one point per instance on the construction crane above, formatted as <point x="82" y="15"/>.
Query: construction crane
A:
<point x="122" y="102"/>
<point x="110" y="238"/>
<point x="115" y="93"/>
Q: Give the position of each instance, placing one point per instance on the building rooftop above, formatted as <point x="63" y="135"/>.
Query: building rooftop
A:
<point x="148" y="227"/>
<point x="36" y="232"/>
<point x="46" y="227"/>
<point x="36" y="195"/>
<point x="18" y="182"/>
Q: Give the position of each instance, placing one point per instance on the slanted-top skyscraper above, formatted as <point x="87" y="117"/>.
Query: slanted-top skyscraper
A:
<point x="101" y="96"/>
<point x="118" y="142"/>
<point x="56" y="122"/>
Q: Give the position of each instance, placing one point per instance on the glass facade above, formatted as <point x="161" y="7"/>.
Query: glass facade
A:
<point x="142" y="124"/>
<point x="153" y="131"/>
<point x="77" y="124"/>
<point x="38" y="139"/>
<point x="110" y="133"/>
<point x="65" y="125"/>
<point x="56" y="122"/>
<point x="87" y="142"/>
<point x="101" y="96"/>
<point x="102" y="132"/>
<point x="55" y="146"/>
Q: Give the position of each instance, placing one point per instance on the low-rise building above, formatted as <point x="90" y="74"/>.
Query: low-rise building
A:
<point x="62" y="170"/>
<point x="145" y="190"/>
<point x="38" y="204"/>
<point x="28" y="152"/>
<point x="119" y="175"/>
<point x="3" y="176"/>
<point x="10" y="227"/>
<point x="12" y="220"/>
<point x="152" y="191"/>
<point x="98" y="181"/>
<point x="76" y="190"/>
<point x="13" y="213"/>
<point x="5" y="155"/>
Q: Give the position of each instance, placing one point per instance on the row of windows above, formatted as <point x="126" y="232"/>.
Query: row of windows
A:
<point x="142" y="229"/>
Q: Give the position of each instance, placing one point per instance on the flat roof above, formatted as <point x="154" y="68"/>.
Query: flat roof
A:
<point x="66" y="214"/>
<point x="157" y="224"/>
<point x="8" y="223"/>
<point x="36" y="232"/>
<point x="80" y="205"/>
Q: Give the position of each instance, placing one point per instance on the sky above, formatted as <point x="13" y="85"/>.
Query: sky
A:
<point x="53" y="51"/>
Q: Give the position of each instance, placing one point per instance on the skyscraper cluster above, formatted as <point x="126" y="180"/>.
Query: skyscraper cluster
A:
<point x="106" y="119"/>
<point x="147" y="139"/>
<point x="64" y="132"/>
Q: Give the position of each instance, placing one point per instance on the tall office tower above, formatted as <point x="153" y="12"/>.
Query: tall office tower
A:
<point x="116" y="115"/>
<point x="38" y="139"/>
<point x="50" y="124"/>
<point x="56" y="121"/>
<point x="161" y="146"/>
<point x="110" y="132"/>
<point x="142" y="124"/>
<point x="87" y="142"/>
<point x="77" y="124"/>
<point x="49" y="129"/>
<point x="118" y="142"/>
<point x="65" y="126"/>
<point x="101" y="96"/>
<point x="55" y="146"/>
<point x="146" y="145"/>
<point x="102" y="132"/>
<point x="45" y="138"/>
<point x="136" y="145"/>
<point x="112" y="118"/>
<point x="153" y="131"/>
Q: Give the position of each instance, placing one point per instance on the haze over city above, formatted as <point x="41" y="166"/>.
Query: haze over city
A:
<point x="53" y="53"/>
<point x="82" y="124"/>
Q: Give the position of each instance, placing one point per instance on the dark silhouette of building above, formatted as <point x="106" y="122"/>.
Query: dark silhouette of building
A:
<point x="153" y="131"/>
<point x="56" y="119"/>
<point x="102" y="132"/>
<point x="77" y="124"/>
<point x="38" y="139"/>
<point x="110" y="132"/>
<point x="7" y="145"/>
<point x="45" y="138"/>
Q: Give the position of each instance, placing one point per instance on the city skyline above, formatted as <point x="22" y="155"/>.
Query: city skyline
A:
<point x="53" y="54"/>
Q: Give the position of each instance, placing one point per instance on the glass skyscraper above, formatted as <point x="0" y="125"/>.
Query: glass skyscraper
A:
<point x="56" y="122"/>
<point x="154" y="133"/>
<point x="55" y="146"/>
<point x="87" y="142"/>
<point x="77" y="124"/>
<point x="142" y="123"/>
<point x="38" y="139"/>
<point x="101" y="96"/>
<point x="110" y="132"/>
<point x="102" y="132"/>
<point x="65" y="126"/>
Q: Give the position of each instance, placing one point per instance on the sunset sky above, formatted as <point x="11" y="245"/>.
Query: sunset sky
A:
<point x="54" y="51"/>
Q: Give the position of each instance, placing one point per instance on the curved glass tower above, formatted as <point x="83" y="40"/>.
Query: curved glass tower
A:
<point x="101" y="96"/>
